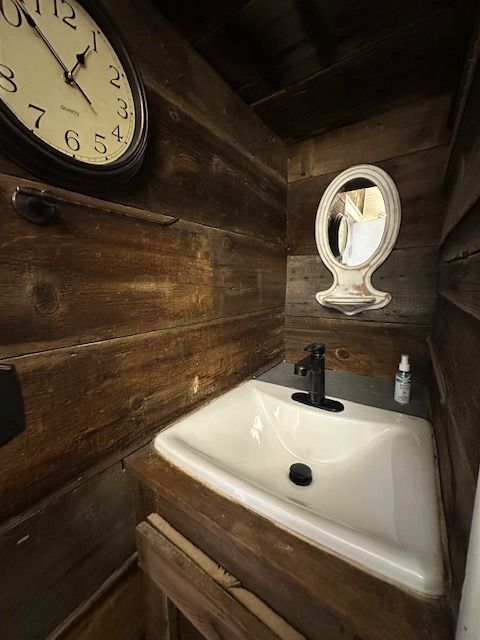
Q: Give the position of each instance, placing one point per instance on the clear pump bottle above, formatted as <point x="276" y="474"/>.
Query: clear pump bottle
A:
<point x="403" y="381"/>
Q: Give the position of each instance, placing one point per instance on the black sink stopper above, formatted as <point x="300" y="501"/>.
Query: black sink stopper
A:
<point x="300" y="474"/>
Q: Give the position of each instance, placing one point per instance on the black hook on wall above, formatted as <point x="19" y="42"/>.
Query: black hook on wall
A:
<point x="34" y="205"/>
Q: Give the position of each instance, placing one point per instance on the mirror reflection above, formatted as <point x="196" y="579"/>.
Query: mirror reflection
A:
<point x="356" y="222"/>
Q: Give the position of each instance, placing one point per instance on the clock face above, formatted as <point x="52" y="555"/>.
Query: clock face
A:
<point x="62" y="79"/>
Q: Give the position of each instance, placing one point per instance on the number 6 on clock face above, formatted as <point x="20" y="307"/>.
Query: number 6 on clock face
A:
<point x="72" y="105"/>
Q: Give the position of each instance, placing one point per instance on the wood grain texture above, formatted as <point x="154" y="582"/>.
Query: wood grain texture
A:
<point x="179" y="73"/>
<point x="420" y="226"/>
<point x="368" y="348"/>
<point x="210" y="608"/>
<point x="101" y="399"/>
<point x="320" y="594"/>
<point x="392" y="72"/>
<point x="116" y="614"/>
<point x="290" y="41"/>
<point x="52" y="560"/>
<point x="462" y="176"/>
<point x="417" y="126"/>
<point x="458" y="492"/>
<point x="190" y="173"/>
<point x="408" y="274"/>
<point x="95" y="275"/>
<point x="418" y="178"/>
<point x="456" y="336"/>
<point x="161" y="615"/>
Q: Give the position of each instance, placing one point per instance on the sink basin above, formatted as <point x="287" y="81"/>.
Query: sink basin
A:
<point x="373" y="498"/>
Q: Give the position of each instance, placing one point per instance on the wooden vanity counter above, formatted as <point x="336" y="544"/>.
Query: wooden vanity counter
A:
<point x="323" y="596"/>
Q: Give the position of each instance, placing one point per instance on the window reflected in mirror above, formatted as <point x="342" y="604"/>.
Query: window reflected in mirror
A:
<point x="356" y="222"/>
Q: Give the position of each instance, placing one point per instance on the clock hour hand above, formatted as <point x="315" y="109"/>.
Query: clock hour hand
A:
<point x="69" y="76"/>
<point x="31" y="23"/>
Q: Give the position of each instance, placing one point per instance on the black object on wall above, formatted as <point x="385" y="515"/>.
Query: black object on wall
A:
<point x="12" y="414"/>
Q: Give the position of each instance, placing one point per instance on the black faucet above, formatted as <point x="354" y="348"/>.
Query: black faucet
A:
<point x="314" y="364"/>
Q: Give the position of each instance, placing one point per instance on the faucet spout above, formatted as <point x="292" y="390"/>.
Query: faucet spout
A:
<point x="314" y="364"/>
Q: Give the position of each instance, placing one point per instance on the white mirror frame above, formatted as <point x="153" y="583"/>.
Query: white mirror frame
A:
<point x="352" y="290"/>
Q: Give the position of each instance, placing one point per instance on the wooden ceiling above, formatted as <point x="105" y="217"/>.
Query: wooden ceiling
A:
<point x="309" y="66"/>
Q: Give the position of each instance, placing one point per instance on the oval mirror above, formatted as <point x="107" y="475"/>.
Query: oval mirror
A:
<point x="356" y="228"/>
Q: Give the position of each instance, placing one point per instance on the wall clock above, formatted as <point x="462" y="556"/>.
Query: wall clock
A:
<point x="72" y="103"/>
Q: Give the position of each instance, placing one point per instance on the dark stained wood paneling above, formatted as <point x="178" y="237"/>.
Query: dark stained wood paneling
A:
<point x="396" y="70"/>
<point x="178" y="73"/>
<point x="456" y="336"/>
<point x="464" y="240"/>
<point x="410" y="144"/>
<point x="131" y="324"/>
<point x="455" y="341"/>
<point x="56" y="557"/>
<point x="115" y="614"/>
<point x="420" y="227"/>
<point x="368" y="348"/>
<point x="417" y="126"/>
<point x="194" y="175"/>
<point x="95" y="275"/>
<point x="460" y="283"/>
<point x="101" y="399"/>
<point x="462" y="177"/>
<point x="191" y="173"/>
<point x="408" y="274"/>
<point x="458" y="492"/>
<point x="418" y="177"/>
<point x="210" y="607"/>
<point x="314" y="57"/>
<point x="317" y="592"/>
<point x="162" y="616"/>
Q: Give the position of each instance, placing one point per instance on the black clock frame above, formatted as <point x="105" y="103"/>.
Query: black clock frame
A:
<point x="35" y="155"/>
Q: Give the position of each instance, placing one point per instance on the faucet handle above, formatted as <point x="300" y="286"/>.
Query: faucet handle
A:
<point x="316" y="349"/>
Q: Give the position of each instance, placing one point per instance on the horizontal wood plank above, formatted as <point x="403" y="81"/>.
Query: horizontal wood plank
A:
<point x="456" y="340"/>
<point x="190" y="173"/>
<point x="420" y="225"/>
<point x="414" y="127"/>
<point x="462" y="176"/>
<point x="464" y="240"/>
<point x="367" y="348"/>
<point x="418" y="178"/>
<point x="459" y="281"/>
<point x="379" y="78"/>
<point x="101" y="399"/>
<point x="115" y="614"/>
<point x="176" y="70"/>
<point x="408" y="274"/>
<point x="56" y="557"/>
<point x="96" y="274"/>
<point x="458" y="492"/>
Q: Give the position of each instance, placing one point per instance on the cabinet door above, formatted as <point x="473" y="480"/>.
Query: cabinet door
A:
<point x="210" y="607"/>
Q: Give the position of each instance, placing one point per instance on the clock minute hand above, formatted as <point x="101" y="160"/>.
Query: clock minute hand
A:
<point x="31" y="23"/>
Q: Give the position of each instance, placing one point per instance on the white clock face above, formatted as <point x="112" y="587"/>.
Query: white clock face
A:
<point x="62" y="79"/>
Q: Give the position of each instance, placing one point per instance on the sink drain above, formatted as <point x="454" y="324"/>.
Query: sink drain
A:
<point x="300" y="474"/>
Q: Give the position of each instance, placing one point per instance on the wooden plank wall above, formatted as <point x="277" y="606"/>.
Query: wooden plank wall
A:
<point x="411" y="144"/>
<point x="117" y="325"/>
<point x="456" y="340"/>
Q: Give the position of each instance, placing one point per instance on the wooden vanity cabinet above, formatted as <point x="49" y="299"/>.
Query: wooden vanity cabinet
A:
<point x="320" y="595"/>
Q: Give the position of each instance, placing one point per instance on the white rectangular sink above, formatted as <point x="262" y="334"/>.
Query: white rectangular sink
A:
<point x="373" y="498"/>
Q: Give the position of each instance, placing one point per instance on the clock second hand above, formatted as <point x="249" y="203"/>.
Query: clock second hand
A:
<point x="31" y="22"/>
